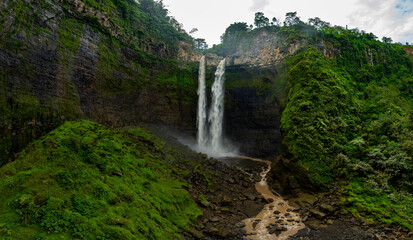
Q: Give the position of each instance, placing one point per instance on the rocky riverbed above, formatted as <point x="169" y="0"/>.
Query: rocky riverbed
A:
<point x="225" y="191"/>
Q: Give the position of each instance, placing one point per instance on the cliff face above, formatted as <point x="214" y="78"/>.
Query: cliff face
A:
<point x="62" y="60"/>
<point x="254" y="103"/>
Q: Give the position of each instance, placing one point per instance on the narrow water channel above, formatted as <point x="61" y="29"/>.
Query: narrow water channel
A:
<point x="277" y="220"/>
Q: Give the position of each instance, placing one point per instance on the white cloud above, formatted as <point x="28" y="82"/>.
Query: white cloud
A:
<point x="390" y="18"/>
<point x="259" y="5"/>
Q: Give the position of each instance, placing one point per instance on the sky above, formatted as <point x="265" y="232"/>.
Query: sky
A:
<point x="390" y="18"/>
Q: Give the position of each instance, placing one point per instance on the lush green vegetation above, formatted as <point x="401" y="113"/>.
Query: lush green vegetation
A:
<point x="143" y="21"/>
<point x="349" y="114"/>
<point x="338" y="126"/>
<point x="84" y="181"/>
<point x="350" y="117"/>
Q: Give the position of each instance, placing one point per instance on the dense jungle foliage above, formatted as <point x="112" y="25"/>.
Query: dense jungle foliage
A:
<point x="349" y="115"/>
<point x="84" y="181"/>
<point x="348" y="121"/>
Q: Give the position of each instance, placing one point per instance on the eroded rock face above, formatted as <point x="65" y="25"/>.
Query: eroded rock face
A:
<point x="66" y="66"/>
<point x="57" y="66"/>
<point x="252" y="115"/>
<point x="266" y="49"/>
<point x="263" y="50"/>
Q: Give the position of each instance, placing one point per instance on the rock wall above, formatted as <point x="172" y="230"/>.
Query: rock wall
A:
<point x="57" y="65"/>
<point x="254" y="102"/>
<point x="70" y="61"/>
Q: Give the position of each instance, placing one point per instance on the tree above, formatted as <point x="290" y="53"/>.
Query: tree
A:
<point x="193" y="30"/>
<point x="291" y="19"/>
<point x="234" y="30"/>
<point x="275" y="22"/>
<point x="317" y="22"/>
<point x="260" y="20"/>
<point x="177" y="25"/>
<point x="387" y="40"/>
<point x="370" y="36"/>
<point x="201" y="44"/>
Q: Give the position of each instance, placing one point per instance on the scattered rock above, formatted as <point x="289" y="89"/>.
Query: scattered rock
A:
<point x="313" y="224"/>
<point x="215" y="219"/>
<point x="327" y="207"/>
<point x="240" y="225"/>
<point x="255" y="223"/>
<point x="196" y="234"/>
<point x="250" y="197"/>
<point x="205" y="203"/>
<point x="317" y="213"/>
<point x="303" y="200"/>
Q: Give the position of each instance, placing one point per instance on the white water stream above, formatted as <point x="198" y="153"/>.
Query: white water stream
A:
<point x="216" y="113"/>
<point x="202" y="105"/>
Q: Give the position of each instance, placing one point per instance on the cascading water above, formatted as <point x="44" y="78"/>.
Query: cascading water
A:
<point x="210" y="140"/>
<point x="216" y="113"/>
<point x="202" y="105"/>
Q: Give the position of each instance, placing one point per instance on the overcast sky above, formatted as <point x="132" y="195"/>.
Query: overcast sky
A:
<point x="390" y="18"/>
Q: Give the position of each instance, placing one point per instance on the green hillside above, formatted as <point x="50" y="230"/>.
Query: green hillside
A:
<point x="84" y="181"/>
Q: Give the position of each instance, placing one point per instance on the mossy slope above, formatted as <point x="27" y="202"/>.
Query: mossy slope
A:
<point x="342" y="126"/>
<point x="84" y="181"/>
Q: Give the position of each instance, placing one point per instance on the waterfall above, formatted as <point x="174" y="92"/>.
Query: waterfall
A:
<point x="202" y="104"/>
<point x="216" y="113"/>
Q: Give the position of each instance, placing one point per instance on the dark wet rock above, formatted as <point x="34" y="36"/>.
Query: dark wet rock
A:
<point x="251" y="208"/>
<point x="273" y="229"/>
<point x="277" y="212"/>
<point x="326" y="207"/>
<point x="255" y="223"/>
<point x="240" y="225"/>
<point x="317" y="213"/>
<point x="214" y="219"/>
<point x="251" y="197"/>
<point x="303" y="200"/>
<point x="205" y="203"/>
<point x="313" y="224"/>
<point x="196" y="234"/>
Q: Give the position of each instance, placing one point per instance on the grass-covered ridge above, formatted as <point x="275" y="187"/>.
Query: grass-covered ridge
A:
<point x="84" y="181"/>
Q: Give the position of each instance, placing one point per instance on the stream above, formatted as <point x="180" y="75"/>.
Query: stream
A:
<point x="277" y="217"/>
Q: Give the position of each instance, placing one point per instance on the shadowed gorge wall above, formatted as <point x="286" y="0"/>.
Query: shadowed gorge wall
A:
<point x="255" y="100"/>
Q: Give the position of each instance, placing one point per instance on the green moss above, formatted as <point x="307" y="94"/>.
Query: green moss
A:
<point x="85" y="181"/>
<point x="372" y="204"/>
<point x="69" y="33"/>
